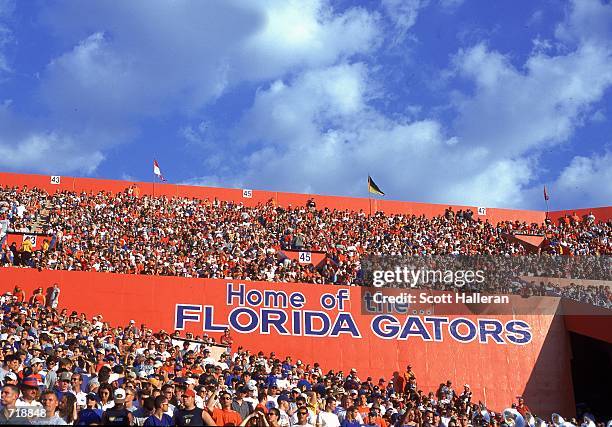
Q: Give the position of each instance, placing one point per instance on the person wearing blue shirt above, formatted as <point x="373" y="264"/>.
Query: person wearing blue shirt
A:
<point x="90" y="415"/>
<point x="159" y="418"/>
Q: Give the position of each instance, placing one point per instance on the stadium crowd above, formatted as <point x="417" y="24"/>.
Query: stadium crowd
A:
<point x="132" y="234"/>
<point x="64" y="368"/>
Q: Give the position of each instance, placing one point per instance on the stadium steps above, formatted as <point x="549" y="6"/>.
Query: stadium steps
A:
<point x="43" y="218"/>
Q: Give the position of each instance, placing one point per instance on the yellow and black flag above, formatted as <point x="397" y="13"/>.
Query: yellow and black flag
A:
<point x="373" y="188"/>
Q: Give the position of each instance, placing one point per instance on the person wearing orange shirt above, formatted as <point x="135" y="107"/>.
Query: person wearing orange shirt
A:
<point x="20" y="294"/>
<point x="225" y="416"/>
<point x="39" y="298"/>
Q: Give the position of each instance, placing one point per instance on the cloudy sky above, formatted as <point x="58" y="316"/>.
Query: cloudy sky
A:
<point x="474" y="101"/>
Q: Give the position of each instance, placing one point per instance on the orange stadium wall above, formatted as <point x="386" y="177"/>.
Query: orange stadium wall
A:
<point x="538" y="369"/>
<point x="494" y="215"/>
<point x="601" y="214"/>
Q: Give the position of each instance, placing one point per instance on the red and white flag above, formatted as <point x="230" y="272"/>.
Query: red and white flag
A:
<point x="157" y="171"/>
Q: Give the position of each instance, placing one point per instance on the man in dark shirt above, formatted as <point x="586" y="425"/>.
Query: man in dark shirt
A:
<point x="190" y="415"/>
<point x="118" y="414"/>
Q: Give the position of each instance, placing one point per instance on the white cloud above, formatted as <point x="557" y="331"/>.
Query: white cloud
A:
<point x="585" y="181"/>
<point x="27" y="144"/>
<point x="404" y="14"/>
<point x="7" y="8"/>
<point x="514" y="110"/>
<point x="318" y="133"/>
<point x="598" y="116"/>
<point x="50" y="153"/>
<point x="306" y="136"/>
<point x="451" y="5"/>
<point x="589" y="21"/>
<point x="132" y="61"/>
<point x="178" y="56"/>
<point x="308" y="34"/>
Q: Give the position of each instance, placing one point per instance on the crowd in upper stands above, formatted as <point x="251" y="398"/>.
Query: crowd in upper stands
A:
<point x="138" y="234"/>
<point x="61" y="367"/>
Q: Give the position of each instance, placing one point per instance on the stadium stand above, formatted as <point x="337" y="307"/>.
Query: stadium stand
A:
<point x="68" y="367"/>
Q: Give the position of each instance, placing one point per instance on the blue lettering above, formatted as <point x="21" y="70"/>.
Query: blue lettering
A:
<point x="518" y="332"/>
<point x="437" y="326"/>
<point x="328" y="301"/>
<point x="490" y="327"/>
<point x="350" y="328"/>
<point x="309" y="329"/>
<point x="408" y="329"/>
<point x="297" y="300"/>
<point x="275" y="318"/>
<point x="237" y="326"/>
<point x="342" y="296"/>
<point x="231" y="294"/>
<point x="454" y="329"/>
<point x="186" y="313"/>
<point x="209" y="315"/>
<point x="387" y="330"/>
<point x="254" y="297"/>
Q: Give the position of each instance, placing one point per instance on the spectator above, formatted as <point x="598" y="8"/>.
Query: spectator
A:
<point x="50" y="404"/>
<point x="159" y="417"/>
<point x="29" y="393"/>
<point x="225" y="415"/>
<point x="91" y="414"/>
<point x="118" y="414"/>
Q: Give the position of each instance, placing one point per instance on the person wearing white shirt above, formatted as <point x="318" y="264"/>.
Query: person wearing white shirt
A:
<point x="29" y="392"/>
<point x="327" y="418"/>
<point x="76" y="382"/>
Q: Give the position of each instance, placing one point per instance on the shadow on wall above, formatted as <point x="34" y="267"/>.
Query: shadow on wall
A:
<point x="549" y="388"/>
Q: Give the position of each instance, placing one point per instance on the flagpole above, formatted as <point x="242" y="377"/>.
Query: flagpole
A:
<point x="369" y="194"/>
<point x="546" y="201"/>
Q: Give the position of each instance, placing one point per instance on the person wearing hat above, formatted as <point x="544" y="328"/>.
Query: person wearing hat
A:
<point x="91" y="414"/>
<point x="240" y="405"/>
<point x="118" y="414"/>
<point x="283" y="406"/>
<point x="466" y="395"/>
<point x="10" y="379"/>
<point x="36" y="364"/>
<point x="189" y="414"/>
<point x="63" y="384"/>
<point x="29" y="392"/>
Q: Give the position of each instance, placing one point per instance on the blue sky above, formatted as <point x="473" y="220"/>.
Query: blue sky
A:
<point x="473" y="102"/>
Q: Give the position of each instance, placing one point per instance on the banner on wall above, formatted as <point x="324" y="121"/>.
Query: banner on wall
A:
<point x="325" y="324"/>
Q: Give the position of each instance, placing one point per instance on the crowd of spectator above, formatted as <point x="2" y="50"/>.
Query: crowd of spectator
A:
<point x="132" y="234"/>
<point x="65" y="368"/>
